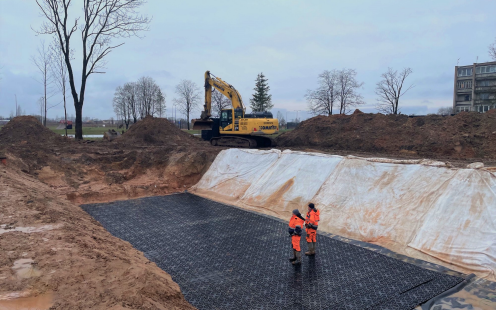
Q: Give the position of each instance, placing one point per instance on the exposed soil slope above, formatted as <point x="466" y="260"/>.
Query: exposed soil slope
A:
<point x="67" y="260"/>
<point x="465" y="135"/>
<point x="157" y="131"/>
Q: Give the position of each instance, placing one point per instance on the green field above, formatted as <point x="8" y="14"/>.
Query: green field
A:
<point x="86" y="130"/>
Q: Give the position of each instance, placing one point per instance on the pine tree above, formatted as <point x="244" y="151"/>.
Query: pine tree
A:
<point x="261" y="100"/>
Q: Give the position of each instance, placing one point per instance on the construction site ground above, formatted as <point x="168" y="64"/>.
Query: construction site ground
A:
<point x="56" y="255"/>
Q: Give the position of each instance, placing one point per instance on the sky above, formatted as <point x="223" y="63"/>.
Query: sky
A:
<point x="290" y="41"/>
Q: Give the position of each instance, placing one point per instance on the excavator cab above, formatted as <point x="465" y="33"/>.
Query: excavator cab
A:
<point x="226" y="118"/>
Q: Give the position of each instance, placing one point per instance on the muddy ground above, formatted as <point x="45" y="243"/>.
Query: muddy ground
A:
<point x="55" y="254"/>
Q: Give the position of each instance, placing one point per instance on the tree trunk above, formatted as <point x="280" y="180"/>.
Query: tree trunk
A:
<point x="187" y="116"/>
<point x="65" y="111"/>
<point x="45" y="99"/>
<point x="79" y="121"/>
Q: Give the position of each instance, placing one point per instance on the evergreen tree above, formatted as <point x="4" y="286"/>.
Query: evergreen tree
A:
<point x="261" y="100"/>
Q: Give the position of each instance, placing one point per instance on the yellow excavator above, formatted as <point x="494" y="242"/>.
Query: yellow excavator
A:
<point x="234" y="128"/>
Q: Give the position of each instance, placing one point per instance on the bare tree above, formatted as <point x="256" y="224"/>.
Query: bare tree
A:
<point x="188" y="97"/>
<point x="445" y="111"/>
<point x="59" y="74"/>
<point x="347" y="90"/>
<point x="280" y="118"/>
<point x="121" y="106"/>
<point x="102" y="21"/>
<point x="41" y="103"/>
<point x="125" y="103"/>
<point x="159" y="103"/>
<point x="43" y="61"/>
<point x="131" y="93"/>
<point x="390" y="90"/>
<point x="321" y="101"/>
<point x="492" y="50"/>
<point x="147" y="91"/>
<point x="19" y="111"/>
<point x="219" y="102"/>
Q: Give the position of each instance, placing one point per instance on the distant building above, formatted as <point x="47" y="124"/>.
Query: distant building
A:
<point x="475" y="87"/>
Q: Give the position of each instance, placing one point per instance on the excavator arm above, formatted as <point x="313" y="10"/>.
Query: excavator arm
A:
<point x="226" y="89"/>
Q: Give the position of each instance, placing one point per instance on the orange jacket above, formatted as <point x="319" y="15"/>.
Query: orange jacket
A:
<point x="295" y="221"/>
<point x="313" y="217"/>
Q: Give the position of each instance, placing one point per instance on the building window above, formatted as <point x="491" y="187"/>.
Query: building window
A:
<point x="463" y="109"/>
<point x="465" y="72"/>
<point x="484" y="96"/>
<point x="464" y="84"/>
<point x="483" y="83"/>
<point x="467" y="97"/>
<point x="485" y="69"/>
<point x="486" y="108"/>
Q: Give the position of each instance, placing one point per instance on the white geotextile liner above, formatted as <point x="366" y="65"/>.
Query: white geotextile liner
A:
<point x="418" y="207"/>
<point x="234" y="171"/>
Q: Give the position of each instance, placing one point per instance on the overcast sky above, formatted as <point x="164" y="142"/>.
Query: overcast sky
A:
<point x="290" y="41"/>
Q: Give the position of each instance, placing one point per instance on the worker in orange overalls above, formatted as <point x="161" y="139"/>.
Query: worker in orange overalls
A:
<point x="295" y="224"/>
<point x="311" y="225"/>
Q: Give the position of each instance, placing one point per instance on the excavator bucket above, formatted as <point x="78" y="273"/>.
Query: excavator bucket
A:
<point x="199" y="124"/>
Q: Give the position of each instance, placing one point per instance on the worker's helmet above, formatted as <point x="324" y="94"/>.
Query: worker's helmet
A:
<point x="296" y="212"/>
<point x="311" y="205"/>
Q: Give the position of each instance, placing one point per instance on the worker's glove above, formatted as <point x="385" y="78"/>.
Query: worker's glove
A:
<point x="297" y="231"/>
<point x="306" y="225"/>
<point x="291" y="231"/>
<point x="313" y="226"/>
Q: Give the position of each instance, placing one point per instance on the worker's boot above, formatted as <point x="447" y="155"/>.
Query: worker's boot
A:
<point x="298" y="258"/>
<point x="294" y="256"/>
<point x="310" y="249"/>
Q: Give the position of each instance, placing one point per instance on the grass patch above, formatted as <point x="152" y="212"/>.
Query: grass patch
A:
<point x="86" y="130"/>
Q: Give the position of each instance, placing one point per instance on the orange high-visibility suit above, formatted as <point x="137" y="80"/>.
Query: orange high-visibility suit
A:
<point x="295" y="239"/>
<point x="312" y="219"/>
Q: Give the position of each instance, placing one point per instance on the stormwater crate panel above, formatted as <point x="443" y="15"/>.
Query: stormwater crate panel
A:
<point x="224" y="257"/>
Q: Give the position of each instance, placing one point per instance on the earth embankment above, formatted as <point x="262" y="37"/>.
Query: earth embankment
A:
<point x="467" y="135"/>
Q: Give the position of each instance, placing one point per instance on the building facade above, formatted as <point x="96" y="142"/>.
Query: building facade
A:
<point x="475" y="87"/>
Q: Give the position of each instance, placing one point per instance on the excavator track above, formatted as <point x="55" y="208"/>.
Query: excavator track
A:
<point x="243" y="142"/>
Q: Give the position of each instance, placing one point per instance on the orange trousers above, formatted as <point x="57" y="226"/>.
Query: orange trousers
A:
<point x="311" y="235"/>
<point x="295" y="240"/>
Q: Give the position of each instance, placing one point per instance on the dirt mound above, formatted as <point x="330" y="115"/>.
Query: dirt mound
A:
<point x="29" y="129"/>
<point x="157" y="131"/>
<point x="465" y="135"/>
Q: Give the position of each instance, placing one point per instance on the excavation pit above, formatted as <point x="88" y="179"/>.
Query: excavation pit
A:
<point x="224" y="257"/>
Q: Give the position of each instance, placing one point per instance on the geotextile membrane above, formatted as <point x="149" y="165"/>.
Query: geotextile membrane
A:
<point x="224" y="257"/>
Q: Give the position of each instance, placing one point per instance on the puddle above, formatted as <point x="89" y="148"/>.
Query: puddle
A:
<point x="16" y="301"/>
<point x="4" y="229"/>
<point x="25" y="269"/>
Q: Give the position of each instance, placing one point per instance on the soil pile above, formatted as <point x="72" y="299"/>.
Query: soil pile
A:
<point x="465" y="135"/>
<point x="29" y="129"/>
<point x="157" y="131"/>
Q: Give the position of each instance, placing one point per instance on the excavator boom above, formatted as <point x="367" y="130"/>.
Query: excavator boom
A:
<point x="205" y="122"/>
